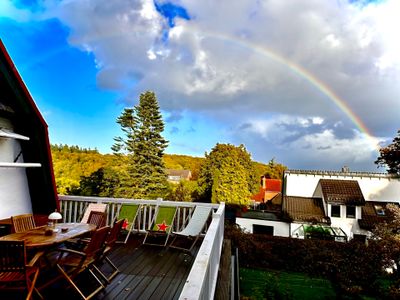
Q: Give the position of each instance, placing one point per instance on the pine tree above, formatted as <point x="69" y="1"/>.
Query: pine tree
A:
<point x="144" y="144"/>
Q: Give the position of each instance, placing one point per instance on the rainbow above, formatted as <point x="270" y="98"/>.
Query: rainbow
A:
<point x="300" y="71"/>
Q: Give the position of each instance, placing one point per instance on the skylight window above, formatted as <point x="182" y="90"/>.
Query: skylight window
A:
<point x="380" y="211"/>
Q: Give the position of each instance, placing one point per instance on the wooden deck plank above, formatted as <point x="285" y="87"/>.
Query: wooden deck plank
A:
<point x="147" y="272"/>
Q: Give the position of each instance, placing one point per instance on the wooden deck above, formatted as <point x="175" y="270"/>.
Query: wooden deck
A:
<point x="146" y="272"/>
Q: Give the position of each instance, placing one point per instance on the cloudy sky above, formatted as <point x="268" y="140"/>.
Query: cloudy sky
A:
<point x="314" y="84"/>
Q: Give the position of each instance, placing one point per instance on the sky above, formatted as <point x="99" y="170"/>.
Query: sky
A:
<point x="312" y="84"/>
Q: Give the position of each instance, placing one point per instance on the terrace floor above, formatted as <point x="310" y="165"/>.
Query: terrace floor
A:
<point x="146" y="272"/>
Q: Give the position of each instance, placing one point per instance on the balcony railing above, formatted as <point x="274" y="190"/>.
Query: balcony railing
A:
<point x="202" y="279"/>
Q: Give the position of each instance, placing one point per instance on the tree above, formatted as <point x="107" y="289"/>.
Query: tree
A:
<point x="387" y="232"/>
<point x="184" y="191"/>
<point x="227" y="175"/>
<point x="101" y="183"/>
<point x="142" y="126"/>
<point x="390" y="156"/>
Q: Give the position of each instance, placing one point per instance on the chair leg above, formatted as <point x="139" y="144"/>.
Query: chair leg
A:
<point x="116" y="270"/>
<point x="32" y="287"/>
<point x="61" y="270"/>
<point x="113" y="274"/>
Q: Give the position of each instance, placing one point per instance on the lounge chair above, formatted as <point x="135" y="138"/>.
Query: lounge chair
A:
<point x="193" y="229"/>
<point x="161" y="226"/>
<point x="128" y="212"/>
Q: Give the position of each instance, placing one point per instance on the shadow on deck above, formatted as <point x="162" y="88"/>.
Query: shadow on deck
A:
<point x="146" y="272"/>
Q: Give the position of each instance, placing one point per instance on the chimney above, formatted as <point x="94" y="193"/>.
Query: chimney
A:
<point x="345" y="169"/>
<point x="263" y="182"/>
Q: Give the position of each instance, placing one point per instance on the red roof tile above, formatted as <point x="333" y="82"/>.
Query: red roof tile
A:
<point x="273" y="185"/>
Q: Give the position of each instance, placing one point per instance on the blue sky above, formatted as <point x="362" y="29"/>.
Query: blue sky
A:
<point x="211" y="67"/>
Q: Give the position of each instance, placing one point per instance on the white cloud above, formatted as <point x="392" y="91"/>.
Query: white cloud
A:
<point x="220" y="64"/>
<point x="8" y="10"/>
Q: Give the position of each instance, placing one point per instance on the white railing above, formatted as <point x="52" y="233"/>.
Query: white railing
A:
<point x="202" y="279"/>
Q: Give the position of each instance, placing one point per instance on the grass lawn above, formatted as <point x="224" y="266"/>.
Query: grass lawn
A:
<point x="261" y="284"/>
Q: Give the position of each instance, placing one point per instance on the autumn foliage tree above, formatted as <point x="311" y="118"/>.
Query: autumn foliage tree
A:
<point x="227" y="175"/>
<point x="390" y="156"/>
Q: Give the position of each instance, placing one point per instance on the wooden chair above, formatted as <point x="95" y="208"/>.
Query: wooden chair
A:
<point x="23" y="223"/>
<point x="101" y="207"/>
<point x="110" y="243"/>
<point x="15" y="273"/>
<point x="71" y="263"/>
<point x="161" y="226"/>
<point x="97" y="218"/>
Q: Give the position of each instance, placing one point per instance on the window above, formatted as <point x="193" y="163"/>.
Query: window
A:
<point x="379" y="210"/>
<point x="350" y="212"/>
<point x="335" y="211"/>
<point x="261" y="229"/>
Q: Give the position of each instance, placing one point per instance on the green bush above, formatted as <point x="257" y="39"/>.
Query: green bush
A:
<point x="353" y="268"/>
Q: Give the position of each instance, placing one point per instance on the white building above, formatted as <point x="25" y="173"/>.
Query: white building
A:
<point x="348" y="204"/>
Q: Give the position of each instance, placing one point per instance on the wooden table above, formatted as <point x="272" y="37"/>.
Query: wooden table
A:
<point x="37" y="238"/>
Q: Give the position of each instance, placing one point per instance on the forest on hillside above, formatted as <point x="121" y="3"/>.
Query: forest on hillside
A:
<point x="81" y="171"/>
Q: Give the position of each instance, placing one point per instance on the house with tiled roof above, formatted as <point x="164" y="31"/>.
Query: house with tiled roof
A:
<point x="347" y="204"/>
<point x="175" y="176"/>
<point x="269" y="188"/>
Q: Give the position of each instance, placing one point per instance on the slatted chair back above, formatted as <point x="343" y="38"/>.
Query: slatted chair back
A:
<point x="12" y="256"/>
<point x="97" y="218"/>
<point x="93" y="207"/>
<point x="15" y="273"/>
<point x="97" y="242"/>
<point x="23" y="223"/>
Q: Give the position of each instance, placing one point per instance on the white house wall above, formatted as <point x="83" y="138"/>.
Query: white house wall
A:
<point x="379" y="188"/>
<point x="14" y="192"/>
<point x="280" y="228"/>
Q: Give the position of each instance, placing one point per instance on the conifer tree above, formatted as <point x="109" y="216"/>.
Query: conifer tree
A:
<point x="144" y="144"/>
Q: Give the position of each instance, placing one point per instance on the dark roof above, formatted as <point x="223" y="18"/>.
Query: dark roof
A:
<point x="345" y="192"/>
<point x="304" y="209"/>
<point x="18" y="105"/>
<point x="371" y="215"/>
